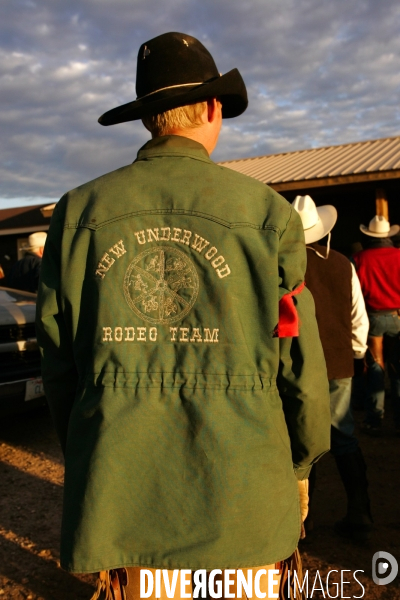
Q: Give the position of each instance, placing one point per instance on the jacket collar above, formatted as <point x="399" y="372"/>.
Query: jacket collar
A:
<point x="173" y="145"/>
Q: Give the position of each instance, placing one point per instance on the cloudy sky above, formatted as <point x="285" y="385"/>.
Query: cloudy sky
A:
<point x="318" y="72"/>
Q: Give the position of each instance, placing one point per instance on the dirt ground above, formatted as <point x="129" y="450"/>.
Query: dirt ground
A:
<point x="31" y="484"/>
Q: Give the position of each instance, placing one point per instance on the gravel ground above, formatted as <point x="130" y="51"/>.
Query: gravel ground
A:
<point x="31" y="483"/>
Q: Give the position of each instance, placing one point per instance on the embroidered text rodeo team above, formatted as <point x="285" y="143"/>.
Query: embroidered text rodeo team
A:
<point x="177" y="334"/>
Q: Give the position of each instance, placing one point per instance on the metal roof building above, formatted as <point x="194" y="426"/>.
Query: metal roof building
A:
<point x="375" y="160"/>
<point x="349" y="176"/>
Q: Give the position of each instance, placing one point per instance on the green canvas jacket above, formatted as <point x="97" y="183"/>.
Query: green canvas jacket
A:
<point x="183" y="420"/>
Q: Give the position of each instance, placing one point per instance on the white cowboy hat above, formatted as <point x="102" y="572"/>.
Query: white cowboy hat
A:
<point x="36" y="240"/>
<point x="380" y="227"/>
<point x="317" y="222"/>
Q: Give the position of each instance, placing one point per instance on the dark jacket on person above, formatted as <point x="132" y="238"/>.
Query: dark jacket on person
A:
<point x="24" y="274"/>
<point x="329" y="281"/>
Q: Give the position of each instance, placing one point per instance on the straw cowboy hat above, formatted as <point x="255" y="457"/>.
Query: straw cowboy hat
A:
<point x="175" y="69"/>
<point x="317" y="221"/>
<point x="380" y="227"/>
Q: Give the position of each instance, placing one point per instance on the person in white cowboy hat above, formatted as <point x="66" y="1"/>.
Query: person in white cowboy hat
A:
<point x="24" y="274"/>
<point x="343" y="326"/>
<point x="378" y="268"/>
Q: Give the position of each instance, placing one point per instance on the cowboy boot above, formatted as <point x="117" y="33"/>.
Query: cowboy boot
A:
<point x="357" y="524"/>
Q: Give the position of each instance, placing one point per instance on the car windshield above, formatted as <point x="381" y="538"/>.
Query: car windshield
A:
<point x="8" y="295"/>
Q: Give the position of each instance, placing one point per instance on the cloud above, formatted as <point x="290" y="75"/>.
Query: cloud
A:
<point x="318" y="73"/>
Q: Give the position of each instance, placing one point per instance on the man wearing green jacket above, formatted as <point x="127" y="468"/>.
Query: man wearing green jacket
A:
<point x="181" y="357"/>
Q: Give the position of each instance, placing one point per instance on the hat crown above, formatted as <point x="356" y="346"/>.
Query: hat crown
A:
<point x="307" y="210"/>
<point x="37" y="239"/>
<point x="379" y="224"/>
<point x="172" y="59"/>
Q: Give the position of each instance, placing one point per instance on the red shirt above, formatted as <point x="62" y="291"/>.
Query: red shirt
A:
<point x="379" y="272"/>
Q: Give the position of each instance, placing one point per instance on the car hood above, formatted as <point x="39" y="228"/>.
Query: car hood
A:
<point x="16" y="307"/>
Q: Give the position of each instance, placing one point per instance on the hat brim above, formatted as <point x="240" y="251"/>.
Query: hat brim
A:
<point x="229" y="88"/>
<point x="327" y="219"/>
<point x="392" y="231"/>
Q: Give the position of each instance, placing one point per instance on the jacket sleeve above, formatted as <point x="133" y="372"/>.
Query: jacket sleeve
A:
<point x="60" y="376"/>
<point x="359" y="317"/>
<point x="302" y="378"/>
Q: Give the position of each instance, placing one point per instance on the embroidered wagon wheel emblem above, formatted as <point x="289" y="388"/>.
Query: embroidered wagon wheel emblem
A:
<point x="161" y="285"/>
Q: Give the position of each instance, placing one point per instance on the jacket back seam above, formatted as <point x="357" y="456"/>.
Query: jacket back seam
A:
<point x="171" y="211"/>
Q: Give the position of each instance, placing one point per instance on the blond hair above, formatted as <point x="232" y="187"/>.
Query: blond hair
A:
<point x="183" y="117"/>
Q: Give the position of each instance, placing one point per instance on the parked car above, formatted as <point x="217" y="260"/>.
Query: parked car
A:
<point x="21" y="386"/>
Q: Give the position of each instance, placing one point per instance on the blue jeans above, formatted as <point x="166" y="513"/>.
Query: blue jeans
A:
<point x="388" y="326"/>
<point x="343" y="440"/>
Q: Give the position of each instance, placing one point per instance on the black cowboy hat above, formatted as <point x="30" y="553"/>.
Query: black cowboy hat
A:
<point x="175" y="69"/>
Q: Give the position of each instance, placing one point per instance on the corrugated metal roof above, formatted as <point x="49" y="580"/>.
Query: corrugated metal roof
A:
<point x="331" y="164"/>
